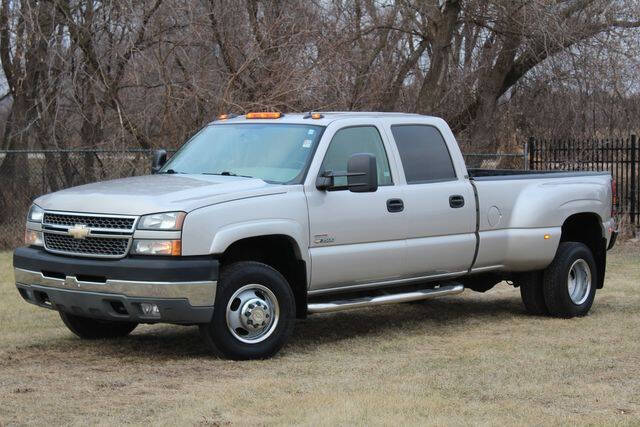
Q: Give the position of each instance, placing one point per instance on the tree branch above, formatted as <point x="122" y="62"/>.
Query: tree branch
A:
<point x="5" y="46"/>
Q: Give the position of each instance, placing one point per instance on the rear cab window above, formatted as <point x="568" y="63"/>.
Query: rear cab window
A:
<point x="424" y="154"/>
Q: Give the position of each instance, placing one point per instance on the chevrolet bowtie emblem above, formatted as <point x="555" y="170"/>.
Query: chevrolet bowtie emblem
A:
<point x="79" y="231"/>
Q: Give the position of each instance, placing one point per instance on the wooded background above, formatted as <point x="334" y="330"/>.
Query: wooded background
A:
<point x="149" y="73"/>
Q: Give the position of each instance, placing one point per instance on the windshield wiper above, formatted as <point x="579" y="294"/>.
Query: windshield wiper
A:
<point x="226" y="173"/>
<point x="170" y="171"/>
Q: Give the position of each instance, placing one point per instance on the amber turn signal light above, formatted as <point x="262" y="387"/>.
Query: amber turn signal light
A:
<point x="264" y="115"/>
<point x="314" y="116"/>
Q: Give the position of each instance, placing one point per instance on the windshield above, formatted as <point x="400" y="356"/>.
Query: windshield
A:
<point x="276" y="153"/>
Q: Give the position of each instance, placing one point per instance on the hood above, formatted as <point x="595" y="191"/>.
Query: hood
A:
<point x="142" y="195"/>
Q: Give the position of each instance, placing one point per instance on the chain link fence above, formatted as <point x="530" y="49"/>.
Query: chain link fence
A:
<point x="25" y="175"/>
<point x="496" y="160"/>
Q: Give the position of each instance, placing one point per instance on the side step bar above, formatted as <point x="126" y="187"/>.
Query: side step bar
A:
<point x="347" y="304"/>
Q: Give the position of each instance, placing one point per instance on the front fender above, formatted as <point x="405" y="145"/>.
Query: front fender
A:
<point x="212" y="229"/>
<point x="231" y="233"/>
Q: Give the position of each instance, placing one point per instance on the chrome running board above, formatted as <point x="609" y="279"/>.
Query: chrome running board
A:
<point x="347" y="304"/>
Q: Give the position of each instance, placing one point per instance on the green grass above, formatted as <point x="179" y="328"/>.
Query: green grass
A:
<point x="473" y="358"/>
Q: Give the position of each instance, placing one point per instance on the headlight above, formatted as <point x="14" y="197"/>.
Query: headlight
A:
<point x="35" y="214"/>
<point x="156" y="247"/>
<point x="33" y="238"/>
<point x="162" y="221"/>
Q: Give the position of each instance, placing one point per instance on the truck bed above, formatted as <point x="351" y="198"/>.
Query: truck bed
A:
<point x="509" y="174"/>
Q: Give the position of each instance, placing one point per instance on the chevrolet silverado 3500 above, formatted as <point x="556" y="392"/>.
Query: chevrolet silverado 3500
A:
<point x="261" y="219"/>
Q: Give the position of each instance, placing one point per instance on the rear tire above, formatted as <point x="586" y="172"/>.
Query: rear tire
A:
<point x="253" y="315"/>
<point x="532" y="293"/>
<point x="570" y="281"/>
<point x="92" y="329"/>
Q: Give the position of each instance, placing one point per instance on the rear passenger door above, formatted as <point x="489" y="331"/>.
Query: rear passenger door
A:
<point x="440" y="206"/>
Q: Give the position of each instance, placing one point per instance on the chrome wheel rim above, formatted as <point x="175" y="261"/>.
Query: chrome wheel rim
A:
<point x="252" y="313"/>
<point x="579" y="281"/>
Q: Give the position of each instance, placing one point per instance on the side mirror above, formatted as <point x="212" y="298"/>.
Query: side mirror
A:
<point x="158" y="160"/>
<point x="362" y="173"/>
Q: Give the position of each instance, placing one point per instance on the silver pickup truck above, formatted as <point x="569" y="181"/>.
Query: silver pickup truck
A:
<point x="264" y="218"/>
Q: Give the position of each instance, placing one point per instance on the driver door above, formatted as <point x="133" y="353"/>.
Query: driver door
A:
<point x="355" y="239"/>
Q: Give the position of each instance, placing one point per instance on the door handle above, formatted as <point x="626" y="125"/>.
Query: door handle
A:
<point x="395" y="205"/>
<point x="456" y="201"/>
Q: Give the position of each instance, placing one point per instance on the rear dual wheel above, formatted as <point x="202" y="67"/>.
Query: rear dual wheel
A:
<point x="532" y="293"/>
<point x="566" y="288"/>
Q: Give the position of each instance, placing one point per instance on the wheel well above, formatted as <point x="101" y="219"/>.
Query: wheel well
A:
<point x="280" y="252"/>
<point x="587" y="228"/>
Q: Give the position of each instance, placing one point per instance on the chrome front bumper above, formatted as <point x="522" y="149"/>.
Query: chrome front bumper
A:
<point x="183" y="289"/>
<point x="200" y="293"/>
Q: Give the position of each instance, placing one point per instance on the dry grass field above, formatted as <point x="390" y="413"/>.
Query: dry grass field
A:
<point x="468" y="359"/>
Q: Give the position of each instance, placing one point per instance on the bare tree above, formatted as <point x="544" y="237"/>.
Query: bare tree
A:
<point x="86" y="73"/>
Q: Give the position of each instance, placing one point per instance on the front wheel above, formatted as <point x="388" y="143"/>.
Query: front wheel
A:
<point x="92" y="329"/>
<point x="570" y="281"/>
<point x="253" y="314"/>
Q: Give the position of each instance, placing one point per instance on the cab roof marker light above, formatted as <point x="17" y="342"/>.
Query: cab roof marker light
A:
<point x="314" y="116"/>
<point x="263" y="115"/>
<point x="226" y="116"/>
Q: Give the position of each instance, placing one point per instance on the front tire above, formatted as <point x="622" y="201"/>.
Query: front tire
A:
<point x="91" y="329"/>
<point x="570" y="281"/>
<point x="254" y="312"/>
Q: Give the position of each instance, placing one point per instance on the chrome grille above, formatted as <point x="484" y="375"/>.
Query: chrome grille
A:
<point x="88" y="235"/>
<point x="91" y="221"/>
<point x="97" y="246"/>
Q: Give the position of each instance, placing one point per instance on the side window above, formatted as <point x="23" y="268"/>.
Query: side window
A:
<point x="359" y="139"/>
<point x="424" y="153"/>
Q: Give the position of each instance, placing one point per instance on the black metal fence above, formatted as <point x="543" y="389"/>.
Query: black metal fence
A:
<point x="620" y="156"/>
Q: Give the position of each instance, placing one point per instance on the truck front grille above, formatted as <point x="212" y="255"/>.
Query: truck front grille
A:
<point x="88" y="235"/>
<point x="91" y="221"/>
<point x="90" y="246"/>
